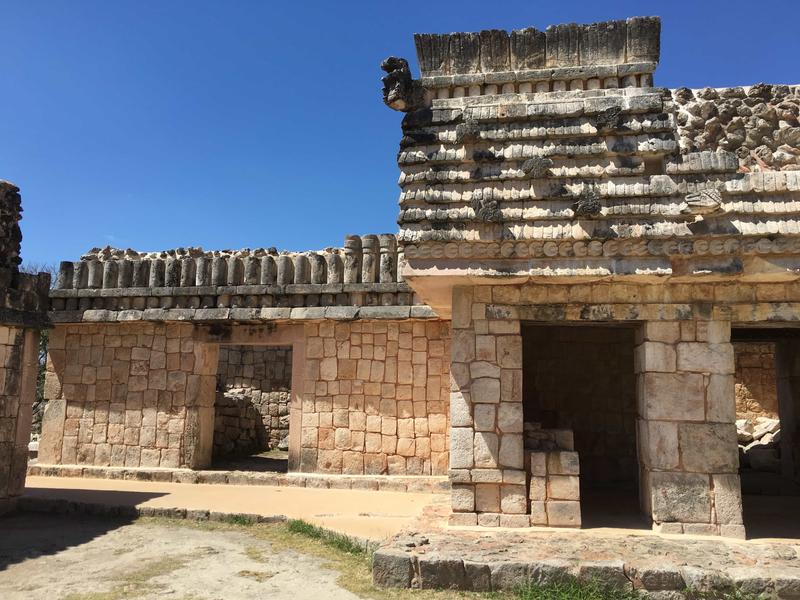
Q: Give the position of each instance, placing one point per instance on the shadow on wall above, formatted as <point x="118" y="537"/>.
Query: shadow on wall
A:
<point x="30" y="535"/>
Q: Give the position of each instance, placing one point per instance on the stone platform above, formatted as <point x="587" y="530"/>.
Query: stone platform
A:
<point x="385" y="483"/>
<point x="432" y="555"/>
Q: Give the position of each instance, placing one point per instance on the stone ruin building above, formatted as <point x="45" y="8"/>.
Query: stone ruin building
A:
<point x="23" y="306"/>
<point x="594" y="281"/>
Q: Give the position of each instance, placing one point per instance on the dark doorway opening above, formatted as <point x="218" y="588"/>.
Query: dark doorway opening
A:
<point x="581" y="379"/>
<point x="767" y="396"/>
<point x="251" y="420"/>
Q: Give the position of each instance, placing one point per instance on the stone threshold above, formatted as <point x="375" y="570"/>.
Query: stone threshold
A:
<point x="28" y="504"/>
<point x="656" y="566"/>
<point x="378" y="483"/>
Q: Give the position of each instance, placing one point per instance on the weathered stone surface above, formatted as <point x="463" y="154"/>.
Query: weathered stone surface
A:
<point x="392" y="568"/>
<point x="708" y="447"/>
<point x="674" y="396"/>
<point x="682" y="497"/>
<point x="441" y="572"/>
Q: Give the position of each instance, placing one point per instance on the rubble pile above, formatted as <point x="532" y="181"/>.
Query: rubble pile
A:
<point x="759" y="444"/>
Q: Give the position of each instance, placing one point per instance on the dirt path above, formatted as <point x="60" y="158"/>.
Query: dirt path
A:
<point x="82" y="558"/>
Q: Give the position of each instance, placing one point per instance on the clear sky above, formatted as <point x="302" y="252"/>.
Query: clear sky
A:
<point x="231" y="124"/>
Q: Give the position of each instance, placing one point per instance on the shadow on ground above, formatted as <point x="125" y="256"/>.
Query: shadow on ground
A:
<point x="771" y="516"/>
<point x="266" y="462"/>
<point x="25" y="536"/>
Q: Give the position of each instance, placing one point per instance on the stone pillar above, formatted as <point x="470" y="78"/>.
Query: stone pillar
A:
<point x="369" y="258"/>
<point x="334" y="268"/>
<point x="285" y="269"/>
<point x="200" y="395"/>
<point x="388" y="266"/>
<point x="486" y="422"/>
<point x="688" y="452"/>
<point x="141" y="273"/>
<point x="172" y="272"/>
<point x="18" y="370"/>
<point x="352" y="259"/>
<point x="318" y="274"/>
<point x="252" y="270"/>
<point x="66" y="272"/>
<point x="269" y="271"/>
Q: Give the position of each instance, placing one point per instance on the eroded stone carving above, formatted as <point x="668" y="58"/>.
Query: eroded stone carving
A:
<point x="400" y="91"/>
<point x="10" y="233"/>
<point x="760" y="124"/>
<point x="609" y="118"/>
<point x="487" y="210"/>
<point x="537" y="167"/>
<point x="587" y="205"/>
<point x="703" y="202"/>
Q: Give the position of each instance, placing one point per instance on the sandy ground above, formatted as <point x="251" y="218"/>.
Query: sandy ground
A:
<point x="359" y="513"/>
<point x="82" y="558"/>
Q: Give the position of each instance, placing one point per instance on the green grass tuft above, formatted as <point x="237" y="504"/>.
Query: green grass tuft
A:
<point x="573" y="589"/>
<point x="242" y="520"/>
<point x="332" y="539"/>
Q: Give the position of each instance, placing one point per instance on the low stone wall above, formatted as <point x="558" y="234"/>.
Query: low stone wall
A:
<point x="374" y="399"/>
<point x="128" y="394"/>
<point x="17" y="388"/>
<point x="254" y="386"/>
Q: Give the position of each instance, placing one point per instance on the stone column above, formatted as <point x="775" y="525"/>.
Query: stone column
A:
<point x="18" y="369"/>
<point x="388" y="265"/>
<point x="200" y="396"/>
<point x="352" y="259"/>
<point x="688" y="452"/>
<point x="369" y="259"/>
<point x="486" y="421"/>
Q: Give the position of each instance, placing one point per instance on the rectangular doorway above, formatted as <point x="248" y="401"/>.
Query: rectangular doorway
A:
<point x="579" y="382"/>
<point x="767" y="398"/>
<point x="251" y="410"/>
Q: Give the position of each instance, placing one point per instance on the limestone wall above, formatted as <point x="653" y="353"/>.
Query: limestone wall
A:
<point x="135" y="394"/>
<point x="369" y="396"/>
<point x="17" y="390"/>
<point x="253" y="382"/>
<point x="687" y="442"/>
<point x="756" y="383"/>
<point x="374" y="399"/>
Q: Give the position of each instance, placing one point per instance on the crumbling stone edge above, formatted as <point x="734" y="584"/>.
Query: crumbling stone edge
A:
<point x="29" y="504"/>
<point x="392" y="567"/>
<point x="424" y="484"/>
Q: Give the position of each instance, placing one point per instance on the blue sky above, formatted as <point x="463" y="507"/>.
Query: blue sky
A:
<point x="237" y="124"/>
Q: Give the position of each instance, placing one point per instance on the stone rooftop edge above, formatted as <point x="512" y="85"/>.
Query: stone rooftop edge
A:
<point x="635" y="40"/>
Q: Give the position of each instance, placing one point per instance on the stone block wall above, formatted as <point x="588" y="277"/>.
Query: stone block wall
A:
<point x="253" y="382"/>
<point x="17" y="391"/>
<point x="128" y="394"/>
<point x="684" y="367"/>
<point x="582" y="378"/>
<point x="374" y="397"/>
<point x="755" y="380"/>
<point x="486" y="412"/>
<point x="686" y="431"/>
<point x="554" y="488"/>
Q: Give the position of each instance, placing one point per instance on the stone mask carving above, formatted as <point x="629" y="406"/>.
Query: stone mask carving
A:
<point x="400" y="91"/>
